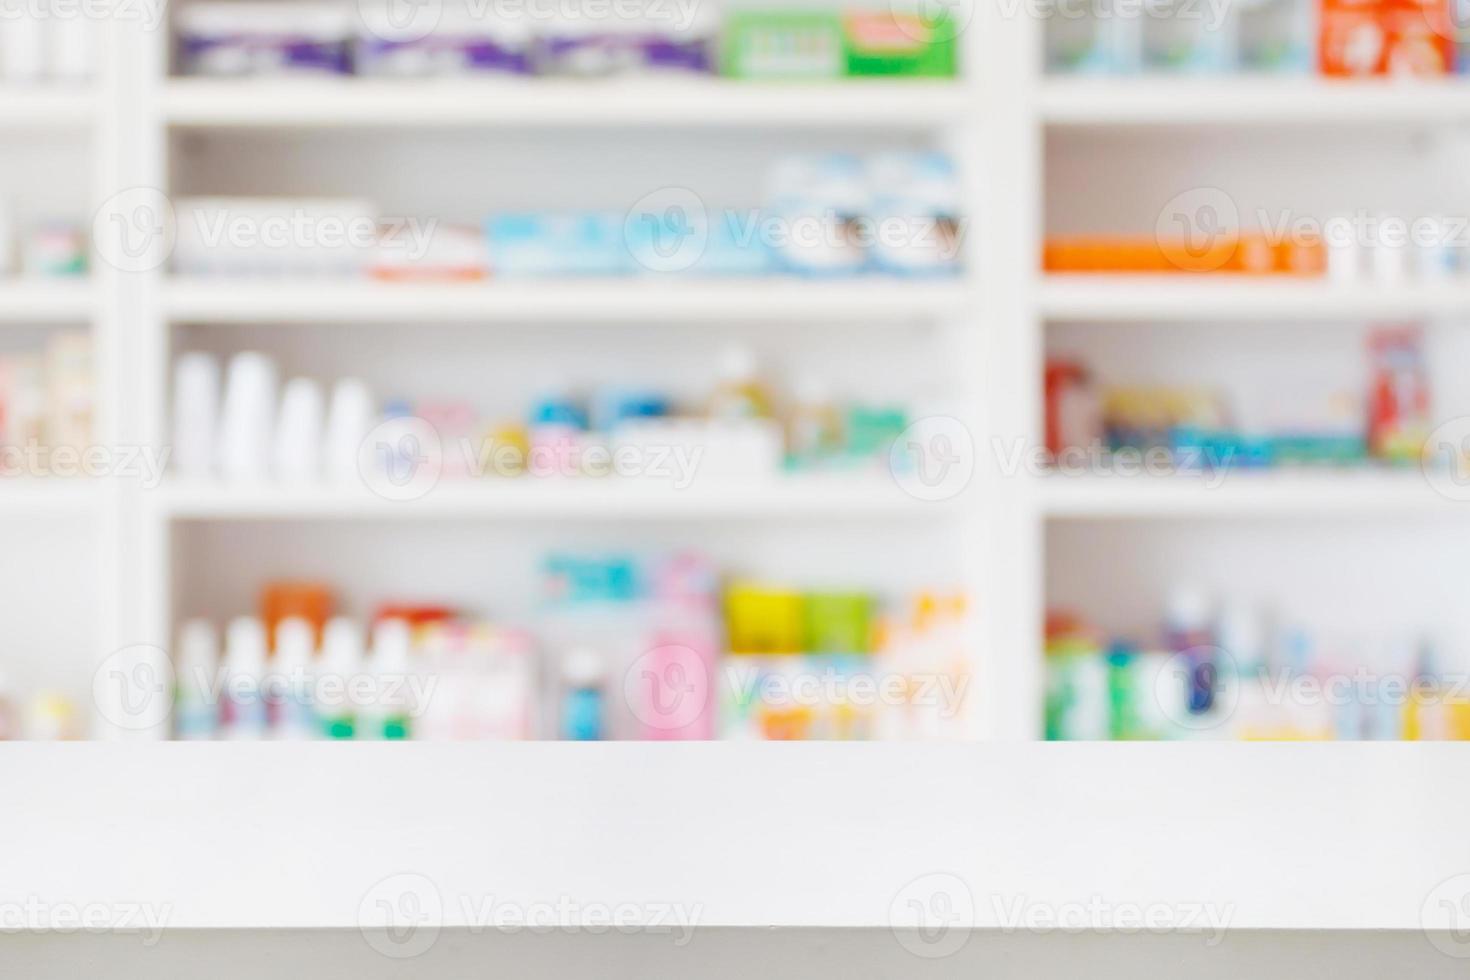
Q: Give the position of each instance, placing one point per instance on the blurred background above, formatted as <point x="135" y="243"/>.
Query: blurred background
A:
<point x="682" y="369"/>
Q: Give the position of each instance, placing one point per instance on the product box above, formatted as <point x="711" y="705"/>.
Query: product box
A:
<point x="1385" y="37"/>
<point x="899" y="44"/>
<point x="573" y="243"/>
<point x="782" y="45"/>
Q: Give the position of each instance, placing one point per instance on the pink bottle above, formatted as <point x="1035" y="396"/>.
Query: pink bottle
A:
<point x="671" y="688"/>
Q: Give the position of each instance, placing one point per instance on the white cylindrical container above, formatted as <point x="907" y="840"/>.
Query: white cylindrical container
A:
<point x="1391" y="251"/>
<point x="392" y="708"/>
<point x="290" y="682"/>
<point x="297" y="455"/>
<point x="336" y="676"/>
<point x="196" y="415"/>
<point x="246" y="420"/>
<point x="1344" y="251"/>
<point x="244" y="668"/>
<point x="196" y="705"/>
<point x="349" y="420"/>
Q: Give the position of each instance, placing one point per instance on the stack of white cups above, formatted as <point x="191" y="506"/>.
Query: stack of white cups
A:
<point x="246" y="435"/>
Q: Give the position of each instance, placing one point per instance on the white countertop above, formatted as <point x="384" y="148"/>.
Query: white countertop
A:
<point x="315" y="836"/>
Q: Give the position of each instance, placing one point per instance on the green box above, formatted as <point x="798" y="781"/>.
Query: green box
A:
<point x="896" y="44"/>
<point x="838" y="622"/>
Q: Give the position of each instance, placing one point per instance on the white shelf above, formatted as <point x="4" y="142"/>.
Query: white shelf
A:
<point x="1294" y="101"/>
<point x="1298" y="494"/>
<point x="833" y="497"/>
<point x="45" y="300"/>
<point x="987" y="825"/>
<point x="43" y="107"/>
<point x="599" y="104"/>
<point x="1184" y="298"/>
<point x="641" y="299"/>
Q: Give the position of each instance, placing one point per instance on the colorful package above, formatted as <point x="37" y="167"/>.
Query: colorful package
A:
<point x="459" y="43"/>
<point x="783" y="45"/>
<point x="551" y="244"/>
<point x="892" y="43"/>
<point x="232" y="39"/>
<point x="1385" y="37"/>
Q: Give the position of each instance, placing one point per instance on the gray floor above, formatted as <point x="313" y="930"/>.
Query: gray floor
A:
<point x="718" y="954"/>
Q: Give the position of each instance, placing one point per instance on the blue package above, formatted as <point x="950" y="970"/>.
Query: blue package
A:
<point x="916" y="225"/>
<point x="576" y="579"/>
<point x="690" y="240"/>
<point x="1197" y="449"/>
<point x="614" y="405"/>
<point x="815" y="225"/>
<point x="582" y="715"/>
<point x="736" y="247"/>
<point x="558" y="411"/>
<point x="552" y="244"/>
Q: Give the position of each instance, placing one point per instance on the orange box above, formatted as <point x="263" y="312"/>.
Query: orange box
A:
<point x="311" y="601"/>
<point x="1359" y="38"/>
<point x="1253" y="255"/>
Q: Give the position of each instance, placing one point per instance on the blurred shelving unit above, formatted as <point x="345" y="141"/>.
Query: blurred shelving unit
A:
<point x="969" y="813"/>
<point x="997" y="120"/>
<point x="362" y="134"/>
<point x="1110" y="153"/>
<point x="61" y="531"/>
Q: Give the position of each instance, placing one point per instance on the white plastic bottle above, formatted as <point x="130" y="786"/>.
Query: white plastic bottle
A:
<point x="247" y="418"/>
<point x="297" y="449"/>
<point x="392" y="706"/>
<point x="349" y="421"/>
<point x="244" y="714"/>
<point x="196" y="414"/>
<point x="336" y="678"/>
<point x="290" y="682"/>
<point x="196" y="692"/>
